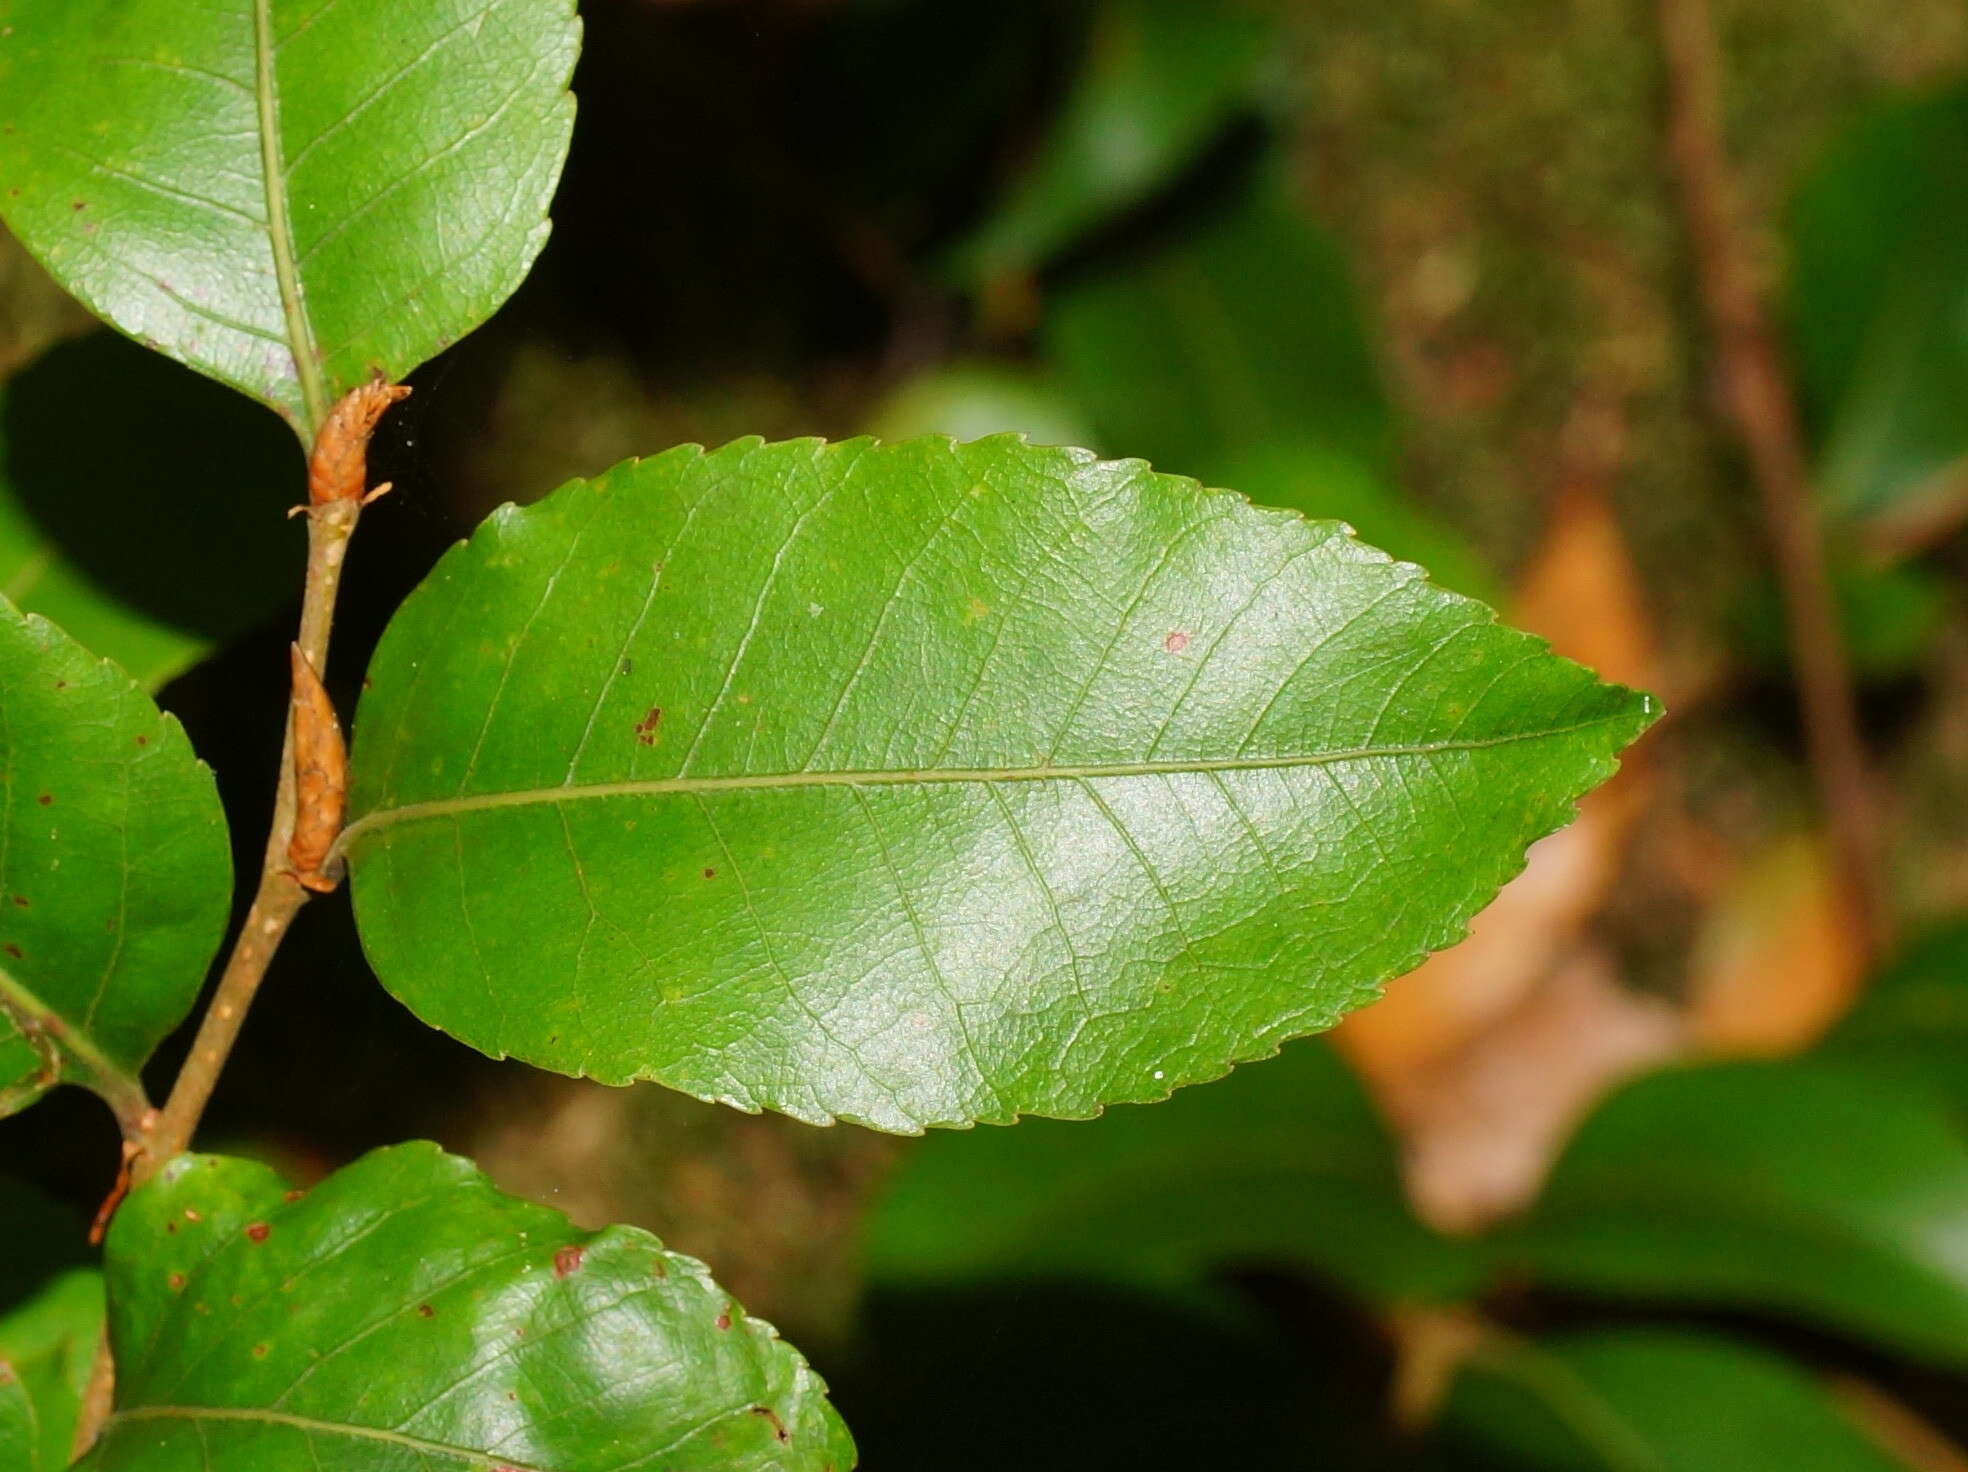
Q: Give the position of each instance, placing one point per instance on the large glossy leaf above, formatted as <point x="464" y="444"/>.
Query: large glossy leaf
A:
<point x="115" y="873"/>
<point x="405" y="1315"/>
<point x="1286" y="1163"/>
<point x="925" y="783"/>
<point x="286" y="194"/>
<point x="1911" y="1023"/>
<point x="1792" y="1186"/>
<point x="47" y="1348"/>
<point x="1655" y="1400"/>
<point x="1879" y="306"/>
<point x="1161" y="77"/>
<point x="153" y="580"/>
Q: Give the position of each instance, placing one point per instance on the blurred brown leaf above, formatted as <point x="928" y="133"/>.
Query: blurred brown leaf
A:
<point x="1483" y="1133"/>
<point x="1779" y="956"/>
<point x="1484" y="1055"/>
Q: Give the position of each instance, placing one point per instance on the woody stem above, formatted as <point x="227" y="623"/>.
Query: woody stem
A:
<point x="276" y="902"/>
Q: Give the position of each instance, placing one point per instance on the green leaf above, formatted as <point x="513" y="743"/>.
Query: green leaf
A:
<point x="1910" y="1025"/>
<point x="115" y="871"/>
<point x="47" y="1349"/>
<point x="1162" y="77"/>
<point x="1287" y="1164"/>
<point x="286" y="194"/>
<point x="1794" y="1186"/>
<point x="51" y="1316"/>
<point x="404" y="1314"/>
<point x="1654" y="1400"/>
<point x="968" y="401"/>
<point x="924" y="783"/>
<point x="153" y="580"/>
<point x="1879" y="308"/>
<point x="1338" y="484"/>
<point x="1239" y="334"/>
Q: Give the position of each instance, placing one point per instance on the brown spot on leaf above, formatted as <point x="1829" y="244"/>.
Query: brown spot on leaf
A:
<point x="724" y="1321"/>
<point x="176" y="1281"/>
<point x="425" y="1311"/>
<point x="45" y="799"/>
<point x="259" y="1351"/>
<point x="646" y="727"/>
<point x="568" y="1259"/>
<point x="193" y="1214"/>
<point x="1176" y="642"/>
<point x="294" y="1195"/>
<point x="659" y="1269"/>
<point x="143" y="741"/>
<point x="710" y="873"/>
<point x="13" y="950"/>
<point x="257" y="1232"/>
<point x="80" y="204"/>
<point x="21" y="900"/>
<point x="779" y="1431"/>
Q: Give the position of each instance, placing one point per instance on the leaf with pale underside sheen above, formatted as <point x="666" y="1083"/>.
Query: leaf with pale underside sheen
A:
<point x="927" y="783"/>
<point x="404" y="1317"/>
<point x="47" y="1347"/>
<point x="286" y="194"/>
<point x="115" y="871"/>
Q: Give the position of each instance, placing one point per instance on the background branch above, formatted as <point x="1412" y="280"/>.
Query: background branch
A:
<point x="1760" y="400"/>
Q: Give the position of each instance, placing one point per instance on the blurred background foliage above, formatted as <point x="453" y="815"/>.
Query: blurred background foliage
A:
<point x="1660" y="1169"/>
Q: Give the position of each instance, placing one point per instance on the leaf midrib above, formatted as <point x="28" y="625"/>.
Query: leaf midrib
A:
<point x="388" y="817"/>
<point x="280" y="230"/>
<point x="17" y="998"/>
<point x="328" y="1428"/>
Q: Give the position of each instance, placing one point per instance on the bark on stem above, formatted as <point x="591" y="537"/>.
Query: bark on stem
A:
<point x="1760" y="400"/>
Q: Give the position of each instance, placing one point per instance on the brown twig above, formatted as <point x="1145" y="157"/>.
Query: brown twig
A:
<point x="337" y="475"/>
<point x="1759" y="396"/>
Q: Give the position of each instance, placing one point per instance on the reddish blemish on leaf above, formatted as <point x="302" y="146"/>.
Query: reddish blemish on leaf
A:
<point x="1176" y="642"/>
<point x="646" y="727"/>
<point x="779" y="1431"/>
<point x="257" y="1232"/>
<point x="568" y="1260"/>
<point x="21" y="900"/>
<point x="724" y="1321"/>
<point x="259" y="1351"/>
<point x="425" y="1311"/>
<point x="292" y="1196"/>
<point x="710" y="873"/>
<point x="176" y="1281"/>
<point x="193" y="1214"/>
<point x="13" y="950"/>
<point x="45" y="799"/>
<point x="143" y="741"/>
